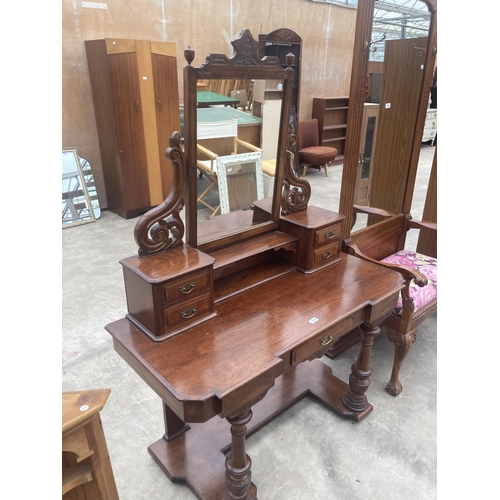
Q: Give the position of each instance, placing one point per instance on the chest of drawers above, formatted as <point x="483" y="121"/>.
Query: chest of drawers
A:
<point x="319" y="232"/>
<point x="169" y="292"/>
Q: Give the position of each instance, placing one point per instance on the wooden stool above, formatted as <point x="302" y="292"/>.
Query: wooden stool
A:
<point x="86" y="468"/>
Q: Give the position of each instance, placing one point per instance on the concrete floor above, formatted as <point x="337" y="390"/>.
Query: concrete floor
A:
<point x="308" y="452"/>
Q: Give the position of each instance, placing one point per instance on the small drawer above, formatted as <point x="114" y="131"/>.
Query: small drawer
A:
<point x="329" y="252"/>
<point x="318" y="345"/>
<point x="326" y="234"/>
<point x="185" y="287"/>
<point x="187" y="311"/>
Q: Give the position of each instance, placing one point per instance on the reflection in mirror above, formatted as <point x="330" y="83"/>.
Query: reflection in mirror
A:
<point x="396" y="20"/>
<point x="218" y="134"/>
<point x="227" y="133"/>
<point x="76" y="203"/>
<point x="240" y="181"/>
<point x="397" y="56"/>
<point x="232" y="146"/>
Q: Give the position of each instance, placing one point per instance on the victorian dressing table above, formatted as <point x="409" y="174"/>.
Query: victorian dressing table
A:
<point x="230" y="322"/>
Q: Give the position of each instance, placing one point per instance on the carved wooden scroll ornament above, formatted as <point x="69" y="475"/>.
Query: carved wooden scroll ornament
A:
<point x="162" y="228"/>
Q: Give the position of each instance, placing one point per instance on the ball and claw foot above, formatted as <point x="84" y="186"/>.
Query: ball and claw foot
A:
<point x="394" y="388"/>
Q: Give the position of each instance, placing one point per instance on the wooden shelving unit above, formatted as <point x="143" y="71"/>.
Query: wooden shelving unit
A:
<point x="331" y="113"/>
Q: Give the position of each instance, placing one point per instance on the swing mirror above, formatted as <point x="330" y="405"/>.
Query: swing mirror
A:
<point x="225" y="169"/>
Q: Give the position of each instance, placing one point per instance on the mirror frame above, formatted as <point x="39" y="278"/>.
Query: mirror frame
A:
<point x="362" y="42"/>
<point x="91" y="217"/>
<point x="245" y="63"/>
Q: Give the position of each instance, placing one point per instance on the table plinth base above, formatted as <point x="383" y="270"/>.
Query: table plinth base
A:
<point x="197" y="457"/>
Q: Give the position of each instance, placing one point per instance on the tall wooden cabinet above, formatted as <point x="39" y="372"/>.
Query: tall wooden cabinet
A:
<point x="331" y="113"/>
<point x="279" y="43"/>
<point x="136" y="102"/>
<point x="398" y="115"/>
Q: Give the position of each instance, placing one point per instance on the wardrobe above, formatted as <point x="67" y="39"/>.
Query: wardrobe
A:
<point x="136" y="103"/>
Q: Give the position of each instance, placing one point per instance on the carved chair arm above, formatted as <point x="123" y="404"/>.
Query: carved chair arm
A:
<point x="408" y="272"/>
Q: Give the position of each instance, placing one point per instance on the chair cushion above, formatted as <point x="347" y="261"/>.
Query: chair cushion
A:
<point x="427" y="266"/>
<point x="317" y="155"/>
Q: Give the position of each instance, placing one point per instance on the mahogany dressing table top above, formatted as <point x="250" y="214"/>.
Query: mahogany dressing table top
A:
<point x="223" y="364"/>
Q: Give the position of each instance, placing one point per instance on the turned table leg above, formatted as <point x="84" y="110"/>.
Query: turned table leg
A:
<point x="359" y="380"/>
<point x="238" y="463"/>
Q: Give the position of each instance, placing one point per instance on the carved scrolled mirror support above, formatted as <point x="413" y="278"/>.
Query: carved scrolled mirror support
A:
<point x="162" y="228"/>
<point x="296" y="191"/>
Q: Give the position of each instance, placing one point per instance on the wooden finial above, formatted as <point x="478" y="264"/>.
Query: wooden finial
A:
<point x="189" y="55"/>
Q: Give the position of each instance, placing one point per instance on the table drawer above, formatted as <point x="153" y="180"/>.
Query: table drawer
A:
<point x="318" y="345"/>
<point x="326" y="253"/>
<point x="187" y="311"/>
<point x="326" y="234"/>
<point x="182" y="288"/>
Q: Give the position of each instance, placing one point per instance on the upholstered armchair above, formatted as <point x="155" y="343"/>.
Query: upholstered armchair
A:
<point x="381" y="243"/>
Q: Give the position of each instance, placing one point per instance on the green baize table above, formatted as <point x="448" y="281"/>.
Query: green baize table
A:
<point x="205" y="99"/>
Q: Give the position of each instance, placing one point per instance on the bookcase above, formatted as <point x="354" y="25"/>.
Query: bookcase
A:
<point x="331" y="113"/>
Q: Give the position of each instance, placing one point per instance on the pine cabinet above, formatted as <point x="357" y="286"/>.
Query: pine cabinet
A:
<point x="136" y="103"/>
<point x="331" y="113"/>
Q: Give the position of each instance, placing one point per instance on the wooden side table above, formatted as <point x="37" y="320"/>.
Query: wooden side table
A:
<point x="86" y="468"/>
